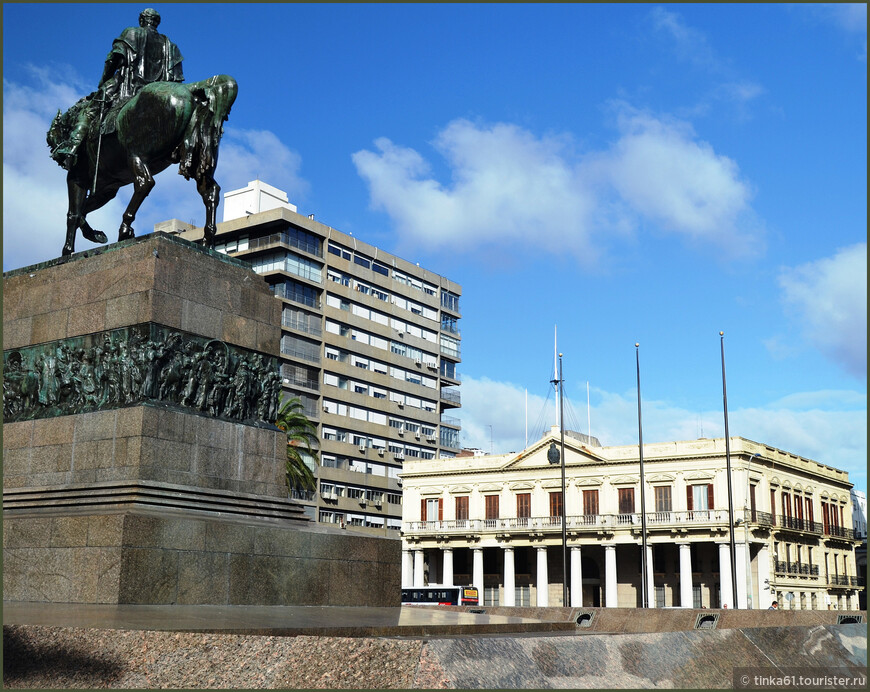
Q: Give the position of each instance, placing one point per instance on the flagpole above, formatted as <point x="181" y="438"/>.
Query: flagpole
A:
<point x="645" y="594"/>
<point x="732" y="545"/>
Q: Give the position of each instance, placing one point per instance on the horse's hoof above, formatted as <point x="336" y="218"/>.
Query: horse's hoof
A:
<point x="125" y="232"/>
<point x="67" y="251"/>
<point x="95" y="236"/>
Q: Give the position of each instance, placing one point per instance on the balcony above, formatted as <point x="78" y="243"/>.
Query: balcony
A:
<point x="293" y="378"/>
<point x="301" y="325"/>
<point x="838" y="532"/>
<point x="796" y="569"/>
<point x="797" y="524"/>
<point x="580" y="523"/>
<point x="308" y="245"/>
<point x="451" y="395"/>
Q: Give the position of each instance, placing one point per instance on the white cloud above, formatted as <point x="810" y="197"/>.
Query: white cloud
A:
<point x="689" y="43"/>
<point x="663" y="172"/>
<point x="828" y="426"/>
<point x="828" y="298"/>
<point x="508" y="185"/>
<point x="34" y="187"/>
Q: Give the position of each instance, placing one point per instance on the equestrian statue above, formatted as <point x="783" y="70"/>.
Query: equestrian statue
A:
<point x="141" y="119"/>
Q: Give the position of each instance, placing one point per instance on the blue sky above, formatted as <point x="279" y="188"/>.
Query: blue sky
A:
<point x="630" y="173"/>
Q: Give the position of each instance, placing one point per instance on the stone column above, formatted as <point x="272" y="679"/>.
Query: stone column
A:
<point x="740" y="555"/>
<point x="510" y="591"/>
<point x="610" y="597"/>
<point x="686" y="597"/>
<point x="576" y="577"/>
<point x="765" y="592"/>
<point x="477" y="572"/>
<point x="447" y="566"/>
<point x="418" y="568"/>
<point x="725" y="595"/>
<point x="543" y="579"/>
<point x="407" y="569"/>
<point x="650" y="583"/>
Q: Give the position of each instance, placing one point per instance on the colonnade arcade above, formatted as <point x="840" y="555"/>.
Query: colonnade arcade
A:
<point x="688" y="574"/>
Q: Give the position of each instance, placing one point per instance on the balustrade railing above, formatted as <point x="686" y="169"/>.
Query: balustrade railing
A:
<point x="798" y="568"/>
<point x="576" y="522"/>
<point x="798" y="524"/>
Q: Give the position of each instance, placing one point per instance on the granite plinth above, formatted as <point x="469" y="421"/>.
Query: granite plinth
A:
<point x="152" y="502"/>
<point x="153" y="278"/>
<point x="141" y="444"/>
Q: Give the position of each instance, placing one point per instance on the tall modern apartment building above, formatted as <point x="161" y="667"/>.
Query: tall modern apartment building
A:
<point x="370" y="344"/>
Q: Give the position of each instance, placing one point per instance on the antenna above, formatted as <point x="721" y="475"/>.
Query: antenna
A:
<point x="588" y="414"/>
<point x="527" y="418"/>
<point x="555" y="381"/>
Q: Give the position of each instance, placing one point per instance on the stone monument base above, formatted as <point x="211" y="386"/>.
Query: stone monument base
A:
<point x="121" y="491"/>
<point x="178" y="556"/>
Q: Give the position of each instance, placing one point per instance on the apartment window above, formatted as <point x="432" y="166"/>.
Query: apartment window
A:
<point x="462" y="507"/>
<point x="752" y="507"/>
<point x="663" y="498"/>
<point x="590" y="502"/>
<point x="626" y="500"/>
<point x="699" y="497"/>
<point x="523" y="595"/>
<point x="524" y="505"/>
<point x="432" y="509"/>
<point x="556" y="504"/>
<point x="773" y="505"/>
<point x="449" y="300"/>
<point x="335" y="249"/>
<point x="786" y="506"/>
<point x="490" y="595"/>
<point x="491" y="506"/>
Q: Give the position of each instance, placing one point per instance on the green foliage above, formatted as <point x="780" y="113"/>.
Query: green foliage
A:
<point x="301" y="434"/>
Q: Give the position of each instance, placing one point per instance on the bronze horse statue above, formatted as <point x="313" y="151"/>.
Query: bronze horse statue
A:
<point x="163" y="124"/>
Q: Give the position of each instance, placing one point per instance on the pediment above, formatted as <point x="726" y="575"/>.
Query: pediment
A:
<point x="699" y="476"/>
<point x="552" y="483"/>
<point x="625" y="480"/>
<point x="524" y="485"/>
<point x="660" y="478"/>
<point x="587" y="482"/>
<point x="459" y="489"/>
<point x="490" y="487"/>
<point x="431" y="490"/>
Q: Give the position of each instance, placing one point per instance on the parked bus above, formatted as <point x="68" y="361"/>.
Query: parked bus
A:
<point x="440" y="595"/>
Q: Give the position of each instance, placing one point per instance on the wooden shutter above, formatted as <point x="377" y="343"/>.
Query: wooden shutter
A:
<point x="690" y="500"/>
<point x="710" y="496"/>
<point x="423" y="516"/>
<point x="440" y="508"/>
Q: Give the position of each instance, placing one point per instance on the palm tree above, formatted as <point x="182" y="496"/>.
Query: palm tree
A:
<point x="301" y="433"/>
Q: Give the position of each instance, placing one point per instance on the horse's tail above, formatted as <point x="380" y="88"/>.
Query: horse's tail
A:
<point x="213" y="98"/>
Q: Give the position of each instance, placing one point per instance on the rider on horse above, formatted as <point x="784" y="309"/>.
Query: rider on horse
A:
<point x="138" y="57"/>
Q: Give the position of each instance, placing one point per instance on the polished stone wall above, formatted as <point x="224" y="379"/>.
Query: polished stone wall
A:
<point x="177" y="557"/>
<point x="150" y="503"/>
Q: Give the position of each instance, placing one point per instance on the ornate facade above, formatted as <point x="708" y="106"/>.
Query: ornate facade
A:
<point x="496" y="522"/>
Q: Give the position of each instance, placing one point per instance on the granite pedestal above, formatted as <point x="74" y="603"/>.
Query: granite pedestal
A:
<point x="149" y="501"/>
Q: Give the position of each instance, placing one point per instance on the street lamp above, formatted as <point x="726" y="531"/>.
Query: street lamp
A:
<point x="731" y="543"/>
<point x="554" y="456"/>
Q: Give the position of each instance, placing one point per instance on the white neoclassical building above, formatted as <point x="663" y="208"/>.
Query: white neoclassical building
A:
<point x="495" y="522"/>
